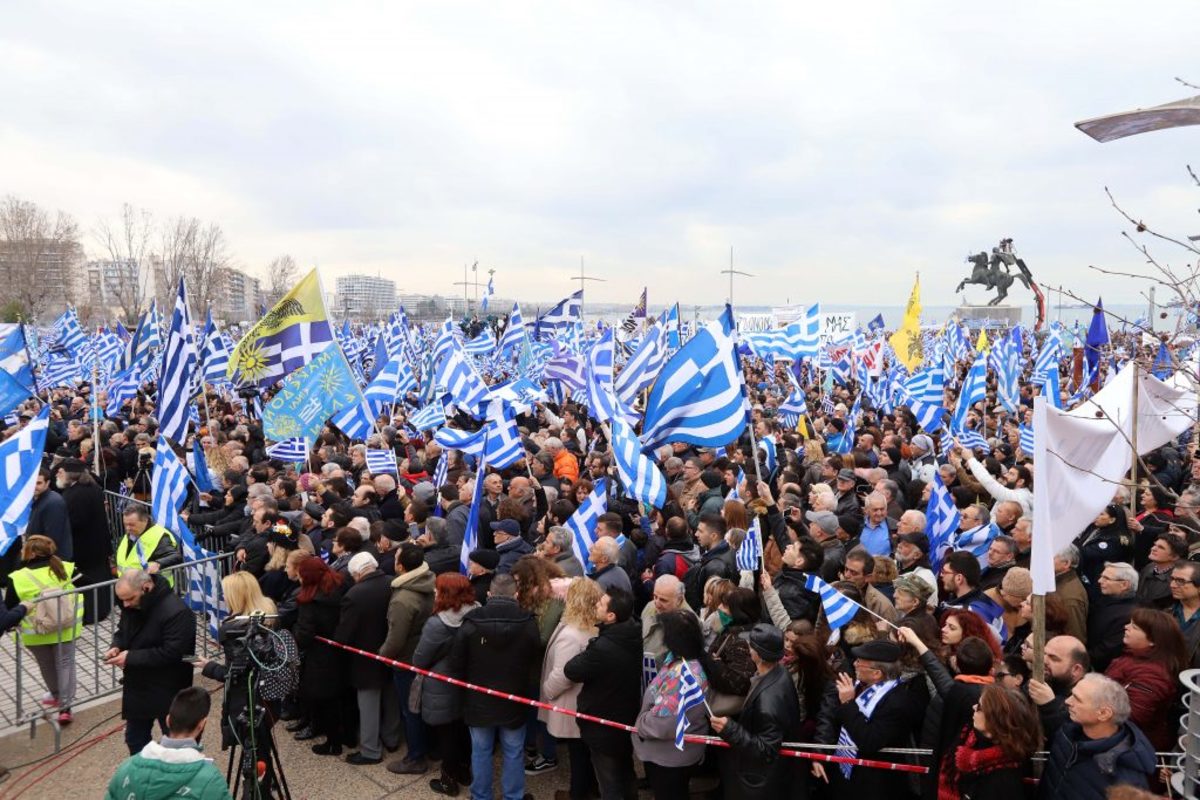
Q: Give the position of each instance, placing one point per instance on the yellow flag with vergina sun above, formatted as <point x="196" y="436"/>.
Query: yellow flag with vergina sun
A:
<point x="906" y="341"/>
<point x="292" y="334"/>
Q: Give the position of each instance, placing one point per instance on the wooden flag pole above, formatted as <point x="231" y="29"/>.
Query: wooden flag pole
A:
<point x="1038" y="602"/>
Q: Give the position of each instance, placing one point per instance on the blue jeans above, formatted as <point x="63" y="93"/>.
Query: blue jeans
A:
<point x="512" y="776"/>
<point x="414" y="728"/>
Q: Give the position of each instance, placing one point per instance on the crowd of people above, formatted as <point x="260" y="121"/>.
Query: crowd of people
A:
<point x="937" y="655"/>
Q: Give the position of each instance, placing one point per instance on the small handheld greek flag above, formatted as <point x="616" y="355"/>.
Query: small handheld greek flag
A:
<point x="691" y="695"/>
<point x="382" y="461"/>
<point x="749" y="554"/>
<point x="649" y="669"/>
<point x="839" y="609"/>
<point x="295" y="449"/>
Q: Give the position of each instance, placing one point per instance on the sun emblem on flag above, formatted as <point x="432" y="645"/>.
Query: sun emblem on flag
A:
<point x="330" y="380"/>
<point x="252" y="361"/>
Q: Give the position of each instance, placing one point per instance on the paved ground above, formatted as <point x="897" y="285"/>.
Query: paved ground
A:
<point x="93" y="745"/>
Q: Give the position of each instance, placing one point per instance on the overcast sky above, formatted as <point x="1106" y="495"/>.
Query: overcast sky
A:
<point x="837" y="149"/>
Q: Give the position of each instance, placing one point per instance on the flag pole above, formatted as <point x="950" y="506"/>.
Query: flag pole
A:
<point x="1038" y="604"/>
<point x="1133" y="441"/>
<point x="95" y="419"/>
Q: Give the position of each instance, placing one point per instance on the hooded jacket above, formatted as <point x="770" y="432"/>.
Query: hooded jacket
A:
<point x="497" y="647"/>
<point x="159" y="773"/>
<point x="410" y="605"/>
<point x="610" y="671"/>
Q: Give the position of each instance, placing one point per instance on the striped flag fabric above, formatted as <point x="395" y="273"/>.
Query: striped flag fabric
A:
<point x="643" y="366"/>
<point x="380" y="393"/>
<point x="567" y="367"/>
<point x="291" y="335"/>
<point x="699" y="397"/>
<point x="801" y="339"/>
<point x="433" y="415"/>
<point x="927" y="385"/>
<point x="488" y="293"/>
<point x="749" y="554"/>
<point x="973" y="440"/>
<point x="562" y="317"/>
<point x="382" y="461"/>
<point x="471" y="534"/>
<point x="469" y="442"/>
<point x="929" y="416"/>
<point x="355" y="420"/>
<point x="481" y="345"/>
<point x="175" y="380"/>
<point x="295" y="449"/>
<point x="977" y="540"/>
<point x="691" y="695"/>
<point x="839" y="609"/>
<point x="1026" y="439"/>
<point x="941" y="521"/>
<point x="214" y="354"/>
<point x="582" y="524"/>
<point x="1048" y="357"/>
<point x="21" y="456"/>
<point x="974" y="389"/>
<point x="514" y="335"/>
<point x="640" y="476"/>
<point x="69" y="334"/>
<point x="599" y="384"/>
<point x="504" y="444"/>
<point x="461" y="380"/>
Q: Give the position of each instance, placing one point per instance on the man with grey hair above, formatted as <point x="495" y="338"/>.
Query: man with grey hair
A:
<point x="156" y="631"/>
<point x="1098" y="747"/>
<point x="668" y="596"/>
<point x="1071" y="591"/>
<point x="1022" y="534"/>
<point x="556" y="547"/>
<point x="1110" y="614"/>
<point x="604" y="555"/>
<point x="363" y="624"/>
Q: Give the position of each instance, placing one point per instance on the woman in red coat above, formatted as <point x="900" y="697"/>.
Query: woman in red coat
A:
<point x="1149" y="668"/>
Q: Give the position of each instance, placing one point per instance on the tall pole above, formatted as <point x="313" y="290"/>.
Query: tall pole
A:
<point x="731" y="272"/>
<point x="1133" y="437"/>
<point x="96" y="418"/>
<point x="583" y="278"/>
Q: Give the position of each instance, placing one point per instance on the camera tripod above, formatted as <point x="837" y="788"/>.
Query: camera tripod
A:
<point x="271" y="783"/>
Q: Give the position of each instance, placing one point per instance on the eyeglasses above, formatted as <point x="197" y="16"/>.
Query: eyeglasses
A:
<point x="999" y="676"/>
<point x="1183" y="582"/>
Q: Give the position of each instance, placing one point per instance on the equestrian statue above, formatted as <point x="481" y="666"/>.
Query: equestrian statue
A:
<point x="995" y="272"/>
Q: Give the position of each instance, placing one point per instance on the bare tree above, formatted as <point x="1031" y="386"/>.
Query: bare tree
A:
<point x="39" y="256"/>
<point x="190" y="249"/>
<point x="127" y="243"/>
<point x="281" y="278"/>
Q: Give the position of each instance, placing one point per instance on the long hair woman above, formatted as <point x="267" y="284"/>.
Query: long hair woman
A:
<point x="322" y="681"/>
<point x="441" y="703"/>
<point x="570" y="638"/>
<point x="41" y="569"/>
<point x="1154" y="655"/>
<point x="993" y="758"/>
<point x="959" y="624"/>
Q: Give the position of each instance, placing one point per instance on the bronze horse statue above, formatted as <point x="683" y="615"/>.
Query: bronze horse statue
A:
<point x="989" y="275"/>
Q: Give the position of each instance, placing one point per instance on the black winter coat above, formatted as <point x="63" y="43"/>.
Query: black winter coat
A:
<point x="1080" y="768"/>
<point x="891" y="725"/>
<point x="89" y="529"/>
<point x="1107" y="617"/>
<point x="157" y="634"/>
<point x="497" y="646"/>
<point x="612" y="686"/>
<point x="948" y="712"/>
<point x="324" y="666"/>
<point x="48" y="517"/>
<point x="770" y="717"/>
<point x="363" y="624"/>
<point x="798" y="602"/>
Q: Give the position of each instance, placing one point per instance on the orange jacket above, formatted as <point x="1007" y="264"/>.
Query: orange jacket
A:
<point x="566" y="466"/>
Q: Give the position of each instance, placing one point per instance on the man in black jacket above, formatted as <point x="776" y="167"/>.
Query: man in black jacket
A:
<point x="89" y="531"/>
<point x="718" y="559"/>
<point x="498" y="647"/>
<point x="1110" y="612"/>
<point x="610" y="674"/>
<point x="156" y="631"/>
<point x="363" y="624"/>
<point x="752" y="767"/>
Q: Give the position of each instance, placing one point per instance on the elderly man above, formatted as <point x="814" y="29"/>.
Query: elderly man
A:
<point x="876" y="536"/>
<point x="859" y="569"/>
<point x="390" y="505"/>
<point x="145" y="546"/>
<point x="1005" y="514"/>
<point x="556" y="547"/>
<point x="566" y="466"/>
<point x="1109" y="615"/>
<point x="1001" y="557"/>
<point x="509" y="544"/>
<point x="364" y="624"/>
<point x="605" y="554"/>
<point x="1022" y="534"/>
<point x="1071" y="591"/>
<point x="1185" y="590"/>
<point x="1098" y="747"/>
<point x="154" y="635"/>
<point x="823" y="527"/>
<point x="668" y="596"/>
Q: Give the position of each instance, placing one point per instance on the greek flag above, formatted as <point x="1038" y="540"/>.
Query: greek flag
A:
<point x="929" y="415"/>
<point x="461" y="381"/>
<point x="439" y="477"/>
<point x="600" y="379"/>
<point x="1007" y="373"/>
<point x="214" y="354"/>
<point x="394" y="378"/>
<point x="973" y="440"/>
<point x="179" y="362"/>
<point x="514" y="334"/>
<point x="1048" y="357"/>
<point x="123" y="388"/>
<point x="429" y="417"/>
<point x="481" y="345"/>
<point x="839" y="609"/>
<point x="504" y="445"/>
<point x="471" y="534"/>
<point x="1026" y="439"/>
<point x="487" y="294"/>
<point x="941" y="521"/>
<point x="691" y="695"/>
<point x="794" y="407"/>
<point x="699" y="396"/>
<point x="293" y="334"/>
<point x="295" y="449"/>
<point x="977" y="541"/>
<point x="69" y="335"/>
<point x="974" y="389"/>
<point x="21" y="456"/>
<point x="926" y="386"/>
<point x="640" y="476"/>
<point x="749" y="554"/>
<point x="469" y="442"/>
<point x="355" y="420"/>
<point x="60" y="369"/>
<point x="582" y="524"/>
<point x="168" y="492"/>
<point x="566" y="367"/>
<point x="801" y="339"/>
<point x="643" y="366"/>
<point x="670" y="323"/>
<point x="1051" y="388"/>
<point x="562" y="317"/>
<point x="382" y="461"/>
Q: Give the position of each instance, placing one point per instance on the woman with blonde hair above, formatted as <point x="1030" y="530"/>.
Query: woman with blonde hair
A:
<point x="54" y="651"/>
<point x="570" y="638"/>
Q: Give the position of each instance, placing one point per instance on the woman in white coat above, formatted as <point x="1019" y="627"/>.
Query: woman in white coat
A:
<point x="570" y="638"/>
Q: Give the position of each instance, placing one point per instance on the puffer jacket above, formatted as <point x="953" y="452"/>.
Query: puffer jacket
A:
<point x="1152" y="694"/>
<point x="408" y="608"/>
<point x="497" y="647"/>
<point x="1080" y="768"/>
<point x="158" y="773"/>
<point x="441" y="703"/>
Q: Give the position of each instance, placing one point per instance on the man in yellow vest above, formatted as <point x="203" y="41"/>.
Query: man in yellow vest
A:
<point x="145" y="546"/>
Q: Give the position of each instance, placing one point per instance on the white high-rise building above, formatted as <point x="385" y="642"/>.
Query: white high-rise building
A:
<point x="363" y="297"/>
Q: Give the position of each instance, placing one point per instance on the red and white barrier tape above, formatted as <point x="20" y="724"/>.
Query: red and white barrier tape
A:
<point x="712" y="740"/>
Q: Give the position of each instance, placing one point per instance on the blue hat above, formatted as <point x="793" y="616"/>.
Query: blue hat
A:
<point x="509" y="526"/>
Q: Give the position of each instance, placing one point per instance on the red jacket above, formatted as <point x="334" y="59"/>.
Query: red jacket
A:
<point x="1152" y="694"/>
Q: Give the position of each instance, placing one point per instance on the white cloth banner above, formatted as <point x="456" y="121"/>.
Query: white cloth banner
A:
<point x="1082" y="455"/>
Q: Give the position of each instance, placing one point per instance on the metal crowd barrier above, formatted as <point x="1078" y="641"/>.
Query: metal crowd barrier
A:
<point x="1186" y="779"/>
<point x="21" y="685"/>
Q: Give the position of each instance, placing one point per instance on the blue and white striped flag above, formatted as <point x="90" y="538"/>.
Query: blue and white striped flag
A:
<point x="973" y="440"/>
<point x="289" y="450"/>
<point x="1027" y="439"/>
<point x="176" y="379"/>
<point x="974" y="389"/>
<point x="355" y="420"/>
<point x="21" y="456"/>
<point x="481" y="345"/>
<point x="927" y="385"/>
<point x="433" y="415"/>
<point x="504" y="444"/>
<point x="639" y="474"/>
<point x="487" y="293"/>
<point x="582" y="524"/>
<point x="749" y="555"/>
<point x="69" y="334"/>
<point x="699" y="396"/>
<point x="691" y="695"/>
<point x="382" y="461"/>
<point x="469" y="442"/>
<point x="392" y="379"/>
<point x="941" y="521"/>
<point x="214" y="354"/>
<point x="929" y="415"/>
<point x="839" y="609"/>
<point x="562" y="317"/>
<point x="643" y="366"/>
<point x="471" y="534"/>
<point x="514" y="335"/>
<point x="977" y="541"/>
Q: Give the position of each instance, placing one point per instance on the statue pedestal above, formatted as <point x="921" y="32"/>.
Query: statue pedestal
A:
<point x="985" y="316"/>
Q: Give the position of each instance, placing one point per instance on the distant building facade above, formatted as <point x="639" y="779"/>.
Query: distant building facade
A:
<point x="363" y="297"/>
